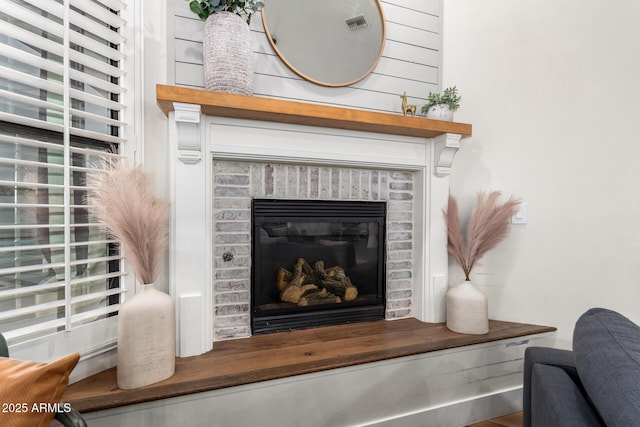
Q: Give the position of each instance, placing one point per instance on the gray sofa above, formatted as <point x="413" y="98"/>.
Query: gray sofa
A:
<point x="596" y="384"/>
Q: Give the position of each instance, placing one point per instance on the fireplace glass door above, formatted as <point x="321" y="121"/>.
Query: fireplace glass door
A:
<point x="316" y="263"/>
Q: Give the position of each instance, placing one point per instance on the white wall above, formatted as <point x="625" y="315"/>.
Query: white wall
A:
<point x="551" y="88"/>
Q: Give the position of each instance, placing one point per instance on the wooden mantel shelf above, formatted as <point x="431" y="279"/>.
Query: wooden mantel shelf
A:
<point x="275" y="110"/>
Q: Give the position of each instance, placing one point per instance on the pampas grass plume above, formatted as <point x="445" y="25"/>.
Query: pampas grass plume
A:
<point x="121" y="199"/>
<point x="488" y="226"/>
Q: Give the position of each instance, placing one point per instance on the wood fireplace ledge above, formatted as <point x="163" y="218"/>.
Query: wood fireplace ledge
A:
<point x="285" y="354"/>
<point x="301" y="113"/>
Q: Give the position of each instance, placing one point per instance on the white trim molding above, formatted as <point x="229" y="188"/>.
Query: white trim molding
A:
<point x="187" y="119"/>
<point x="446" y="146"/>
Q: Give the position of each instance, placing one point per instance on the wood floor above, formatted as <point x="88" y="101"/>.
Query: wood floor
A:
<point x="511" y="420"/>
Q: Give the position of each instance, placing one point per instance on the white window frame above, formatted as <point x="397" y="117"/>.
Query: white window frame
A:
<point x="97" y="341"/>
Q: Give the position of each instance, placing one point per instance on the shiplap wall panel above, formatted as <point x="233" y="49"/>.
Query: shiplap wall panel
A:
<point x="410" y="61"/>
<point x="281" y="82"/>
<point x="189" y="75"/>
<point x="417" y="37"/>
<point x="298" y="89"/>
<point x="408" y="70"/>
<point x="423" y="20"/>
<point x="188" y="51"/>
<point x="188" y="28"/>
<point x="427" y="6"/>
<point x="410" y="53"/>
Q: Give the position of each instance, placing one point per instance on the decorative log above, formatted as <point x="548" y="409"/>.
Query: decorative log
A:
<point x="306" y="268"/>
<point x="308" y="285"/>
<point x="336" y="272"/>
<point x="297" y="277"/>
<point x="318" y="269"/>
<point x="351" y="292"/>
<point x="284" y="279"/>
<point x="322" y="297"/>
<point x="293" y="293"/>
<point x="311" y="290"/>
<point x="322" y="293"/>
<point x="311" y="280"/>
<point x="342" y="288"/>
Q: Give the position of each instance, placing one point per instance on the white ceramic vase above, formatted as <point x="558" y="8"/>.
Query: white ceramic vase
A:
<point x="440" y="112"/>
<point x="227" y="55"/>
<point x="146" y="339"/>
<point x="467" y="309"/>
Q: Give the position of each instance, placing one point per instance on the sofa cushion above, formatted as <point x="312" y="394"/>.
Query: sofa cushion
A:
<point x="556" y="400"/>
<point x="30" y="391"/>
<point x="606" y="348"/>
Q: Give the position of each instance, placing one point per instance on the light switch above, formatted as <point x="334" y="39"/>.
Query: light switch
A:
<point x="521" y="216"/>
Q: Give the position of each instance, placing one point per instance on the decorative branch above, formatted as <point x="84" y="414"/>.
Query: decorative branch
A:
<point x="122" y="201"/>
<point x="488" y="226"/>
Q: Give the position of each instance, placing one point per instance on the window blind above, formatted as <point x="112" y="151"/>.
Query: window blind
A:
<point x="61" y="108"/>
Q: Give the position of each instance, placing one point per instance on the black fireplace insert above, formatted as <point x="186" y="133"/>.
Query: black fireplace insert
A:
<point x="316" y="263"/>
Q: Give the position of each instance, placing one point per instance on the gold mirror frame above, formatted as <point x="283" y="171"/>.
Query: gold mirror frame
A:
<point x="310" y="76"/>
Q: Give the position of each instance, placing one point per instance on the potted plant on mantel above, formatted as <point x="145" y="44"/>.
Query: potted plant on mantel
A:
<point x="442" y="106"/>
<point x="226" y="49"/>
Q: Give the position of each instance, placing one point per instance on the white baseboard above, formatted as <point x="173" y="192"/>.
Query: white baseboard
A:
<point x="461" y="413"/>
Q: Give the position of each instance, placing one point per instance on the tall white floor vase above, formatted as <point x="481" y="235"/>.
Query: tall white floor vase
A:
<point x="467" y="309"/>
<point x="146" y="339"/>
<point x="227" y="54"/>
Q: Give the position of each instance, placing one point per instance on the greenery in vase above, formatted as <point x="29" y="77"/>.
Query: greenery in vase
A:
<point x="449" y="97"/>
<point x="242" y="8"/>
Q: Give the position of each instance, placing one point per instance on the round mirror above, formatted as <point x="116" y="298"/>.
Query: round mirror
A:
<point x="328" y="42"/>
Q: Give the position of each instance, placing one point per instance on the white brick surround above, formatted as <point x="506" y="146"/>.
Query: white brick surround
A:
<point x="219" y="164"/>
<point x="236" y="183"/>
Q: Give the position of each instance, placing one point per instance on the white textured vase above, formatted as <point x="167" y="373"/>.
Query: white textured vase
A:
<point x="467" y="309"/>
<point x="440" y="112"/>
<point x="146" y="339"/>
<point x="227" y="55"/>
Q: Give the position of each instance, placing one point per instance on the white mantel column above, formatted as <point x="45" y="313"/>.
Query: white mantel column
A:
<point x="431" y="306"/>
<point x="190" y="271"/>
<point x="444" y="149"/>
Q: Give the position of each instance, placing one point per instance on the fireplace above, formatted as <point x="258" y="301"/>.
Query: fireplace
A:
<point x="316" y="263"/>
<point x="229" y="149"/>
<point x="344" y="201"/>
